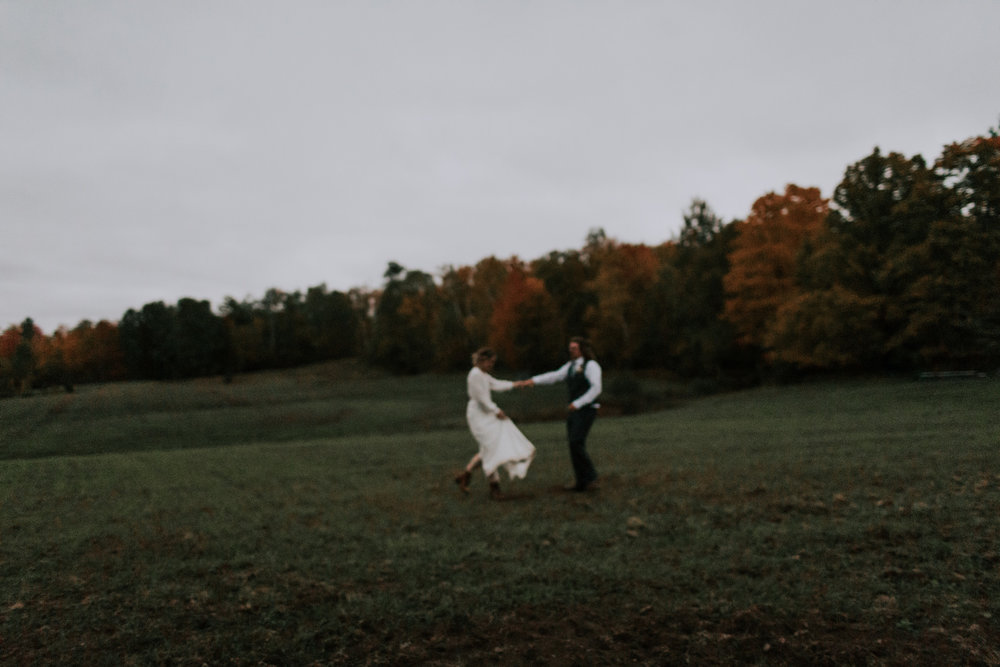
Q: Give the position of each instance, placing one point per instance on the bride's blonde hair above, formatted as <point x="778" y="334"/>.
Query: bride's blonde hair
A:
<point x="483" y="354"/>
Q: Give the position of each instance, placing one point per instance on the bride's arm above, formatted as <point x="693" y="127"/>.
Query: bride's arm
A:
<point x="479" y="391"/>
<point x="500" y="385"/>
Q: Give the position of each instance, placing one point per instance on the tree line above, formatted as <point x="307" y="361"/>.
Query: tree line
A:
<point x="898" y="271"/>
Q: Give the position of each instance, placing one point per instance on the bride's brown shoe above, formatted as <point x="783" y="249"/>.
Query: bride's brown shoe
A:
<point x="495" y="493"/>
<point x="462" y="479"/>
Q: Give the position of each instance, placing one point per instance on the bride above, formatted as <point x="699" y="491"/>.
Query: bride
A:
<point x="501" y="444"/>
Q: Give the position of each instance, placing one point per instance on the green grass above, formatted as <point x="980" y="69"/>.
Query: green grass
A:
<point x="310" y="518"/>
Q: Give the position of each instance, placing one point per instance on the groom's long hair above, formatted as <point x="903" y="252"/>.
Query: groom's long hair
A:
<point x="586" y="349"/>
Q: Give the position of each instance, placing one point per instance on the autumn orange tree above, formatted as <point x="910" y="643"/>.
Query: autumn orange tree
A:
<point x="10" y="342"/>
<point x="93" y="352"/>
<point x="467" y="298"/>
<point x="523" y="329"/>
<point x="86" y="353"/>
<point x="899" y="270"/>
<point x="21" y="349"/>
<point x="617" y="318"/>
<point x="762" y="262"/>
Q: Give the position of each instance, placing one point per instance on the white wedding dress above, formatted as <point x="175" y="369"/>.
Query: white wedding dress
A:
<point x="501" y="443"/>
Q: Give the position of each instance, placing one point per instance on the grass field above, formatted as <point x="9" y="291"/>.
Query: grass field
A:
<point x="310" y="517"/>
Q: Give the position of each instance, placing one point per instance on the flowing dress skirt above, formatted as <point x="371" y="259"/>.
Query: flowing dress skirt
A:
<point x="501" y="443"/>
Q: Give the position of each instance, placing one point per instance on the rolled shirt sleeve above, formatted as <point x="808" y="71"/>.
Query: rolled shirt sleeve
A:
<point x="553" y="377"/>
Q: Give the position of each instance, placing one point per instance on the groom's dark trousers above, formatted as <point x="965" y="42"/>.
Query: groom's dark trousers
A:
<point x="578" y="425"/>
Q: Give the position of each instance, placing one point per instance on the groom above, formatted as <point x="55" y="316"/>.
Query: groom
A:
<point x="582" y="375"/>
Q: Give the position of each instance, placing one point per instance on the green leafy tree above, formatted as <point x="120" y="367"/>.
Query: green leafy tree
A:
<point x="487" y="282"/>
<point x="23" y="361"/>
<point x="452" y="341"/>
<point x="270" y="308"/>
<point x="403" y="328"/>
<point x="966" y="249"/>
<point x="363" y="303"/>
<point x="860" y="265"/>
<point x="945" y="321"/>
<point x="148" y="341"/>
<point x="569" y="279"/>
<point x="688" y="334"/>
<point x="246" y="345"/>
<point x="331" y="324"/>
<point x="200" y="339"/>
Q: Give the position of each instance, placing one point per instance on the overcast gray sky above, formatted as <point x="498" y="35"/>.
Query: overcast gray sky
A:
<point x="156" y="150"/>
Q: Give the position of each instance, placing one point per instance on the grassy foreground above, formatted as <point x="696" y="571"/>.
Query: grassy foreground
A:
<point x="310" y="518"/>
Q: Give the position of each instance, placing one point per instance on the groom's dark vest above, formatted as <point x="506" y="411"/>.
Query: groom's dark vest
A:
<point x="577" y="382"/>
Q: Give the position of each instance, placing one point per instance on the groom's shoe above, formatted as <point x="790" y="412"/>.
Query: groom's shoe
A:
<point x="579" y="487"/>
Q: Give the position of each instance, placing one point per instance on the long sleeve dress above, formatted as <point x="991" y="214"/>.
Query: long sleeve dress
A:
<point x="501" y="443"/>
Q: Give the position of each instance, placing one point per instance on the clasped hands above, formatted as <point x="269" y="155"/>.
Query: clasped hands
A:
<point x="522" y="384"/>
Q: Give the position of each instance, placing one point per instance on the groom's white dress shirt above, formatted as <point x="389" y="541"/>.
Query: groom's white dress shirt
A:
<point x="592" y="372"/>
